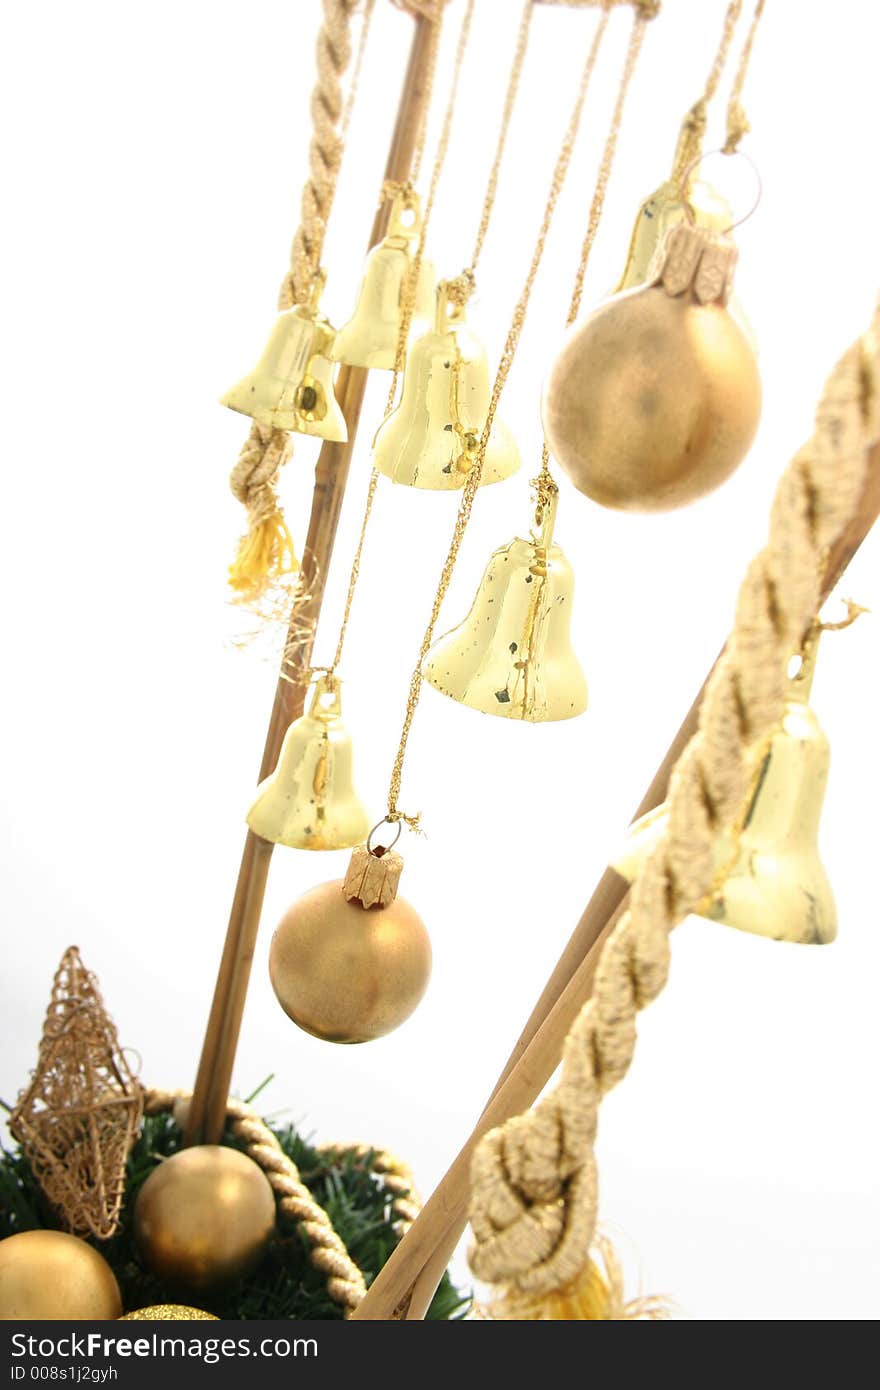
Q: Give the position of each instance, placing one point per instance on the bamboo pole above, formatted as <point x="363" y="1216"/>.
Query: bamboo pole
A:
<point x="208" y="1106"/>
<point x="405" y="1286"/>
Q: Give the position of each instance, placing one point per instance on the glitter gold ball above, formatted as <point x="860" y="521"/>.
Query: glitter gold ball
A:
<point x="204" y="1217"/>
<point x="168" y="1312"/>
<point x="348" y="973"/>
<point x="47" y="1275"/>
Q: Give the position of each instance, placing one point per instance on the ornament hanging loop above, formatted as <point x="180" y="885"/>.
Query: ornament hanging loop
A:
<point x="379" y="850"/>
<point x="684" y="183"/>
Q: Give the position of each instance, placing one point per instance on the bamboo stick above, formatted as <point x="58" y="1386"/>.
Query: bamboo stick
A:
<point x="405" y="1286"/>
<point x="208" y="1107"/>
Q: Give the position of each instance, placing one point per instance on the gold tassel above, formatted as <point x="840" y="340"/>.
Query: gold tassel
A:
<point x="265" y="553"/>
<point x="595" y="1295"/>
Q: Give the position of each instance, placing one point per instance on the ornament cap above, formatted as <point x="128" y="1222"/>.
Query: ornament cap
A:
<point x="372" y="878"/>
<point x="696" y="260"/>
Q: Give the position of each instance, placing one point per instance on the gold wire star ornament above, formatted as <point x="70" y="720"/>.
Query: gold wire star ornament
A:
<point x="79" y="1116"/>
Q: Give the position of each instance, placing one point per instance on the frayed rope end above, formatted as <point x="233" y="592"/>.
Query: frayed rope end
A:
<point x="264" y="554"/>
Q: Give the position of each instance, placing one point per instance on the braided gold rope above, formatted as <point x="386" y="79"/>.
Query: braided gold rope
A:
<point x="327" y="1252"/>
<point x="534" y="1181"/>
<point x="396" y="1177"/>
<point x="265" y="451"/>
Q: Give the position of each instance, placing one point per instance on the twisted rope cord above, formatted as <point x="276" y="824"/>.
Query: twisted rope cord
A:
<point x="534" y="1180"/>
<point x="397" y="1179"/>
<point x="267" y="549"/>
<point x="327" y="1252"/>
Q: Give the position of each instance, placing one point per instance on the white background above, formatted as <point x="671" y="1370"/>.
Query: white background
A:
<point x="152" y="166"/>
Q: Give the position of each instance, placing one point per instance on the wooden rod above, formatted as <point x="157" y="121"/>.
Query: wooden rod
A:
<point x="405" y="1286"/>
<point x="208" y="1106"/>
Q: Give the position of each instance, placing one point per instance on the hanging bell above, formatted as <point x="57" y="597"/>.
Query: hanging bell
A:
<point x="777" y="885"/>
<point x="678" y="199"/>
<point x="291" y="387"/>
<point x="372" y="334"/>
<point x="431" y="439"/>
<point x="512" y="655"/>
<point x="309" y="801"/>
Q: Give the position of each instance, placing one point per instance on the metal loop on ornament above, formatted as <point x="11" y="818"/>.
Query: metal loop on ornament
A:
<point x="398" y="826"/>
<point x="695" y="163"/>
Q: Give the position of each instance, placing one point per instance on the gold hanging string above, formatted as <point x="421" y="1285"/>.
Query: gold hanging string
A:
<point x="642" y="16"/>
<point x="265" y="553"/>
<point x="694" y="125"/>
<point x="546" y="484"/>
<point x="408" y="298"/>
<point x="513" y="81"/>
<point x="737" y="123"/>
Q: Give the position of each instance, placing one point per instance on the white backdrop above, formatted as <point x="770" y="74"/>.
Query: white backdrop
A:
<point x="152" y="169"/>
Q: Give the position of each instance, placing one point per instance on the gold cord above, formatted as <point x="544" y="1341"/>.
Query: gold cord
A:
<point x="513" y="81"/>
<point x="597" y="207"/>
<point x="737" y="124"/>
<point x="563" y="160"/>
<point x="694" y="125"/>
<point x="369" y="7"/>
<point x="409" y="294"/>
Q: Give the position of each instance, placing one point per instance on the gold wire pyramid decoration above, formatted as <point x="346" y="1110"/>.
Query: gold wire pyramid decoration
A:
<point x="78" y="1118"/>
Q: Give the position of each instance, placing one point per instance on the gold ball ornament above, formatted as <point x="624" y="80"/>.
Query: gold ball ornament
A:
<point x="168" y="1312"/>
<point x="204" y="1217"/>
<point x="49" y="1275"/>
<point x="655" y="399"/>
<point x="349" y="960"/>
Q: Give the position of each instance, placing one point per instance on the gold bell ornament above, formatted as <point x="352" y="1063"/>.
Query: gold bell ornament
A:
<point x="680" y="198"/>
<point x="431" y="439"/>
<point x="291" y="387"/>
<point x="372" y="335"/>
<point x="350" y="960"/>
<point x="309" y="801"/>
<point x="771" y="879"/>
<point x="655" y="398"/>
<point x="512" y="655"/>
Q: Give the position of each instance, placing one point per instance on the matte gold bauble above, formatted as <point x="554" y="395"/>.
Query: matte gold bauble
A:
<point x="204" y="1217"/>
<point x="655" y="398"/>
<point x="168" y="1312"/>
<point x="347" y="972"/>
<point x="49" y="1275"/>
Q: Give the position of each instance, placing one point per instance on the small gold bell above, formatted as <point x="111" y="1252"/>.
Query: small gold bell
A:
<point x="291" y="387"/>
<point x="512" y="655"/>
<point x="432" y="437"/>
<point x="309" y="801"/>
<point x="666" y="208"/>
<point x="372" y="334"/>
<point x="777" y="885"/>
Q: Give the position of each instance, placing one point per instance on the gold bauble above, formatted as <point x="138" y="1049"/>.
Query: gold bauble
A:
<point x="49" y="1275"/>
<point x="347" y="973"/>
<point x="168" y="1312"/>
<point x="204" y="1217"/>
<point x="654" y="399"/>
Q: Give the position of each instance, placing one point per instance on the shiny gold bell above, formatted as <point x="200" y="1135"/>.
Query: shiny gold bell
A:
<point x="512" y="655"/>
<point x="309" y="801"/>
<point x="372" y="335"/>
<point x="772" y="882"/>
<point x="291" y="387"/>
<point x="678" y="199"/>
<point x="431" y="440"/>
